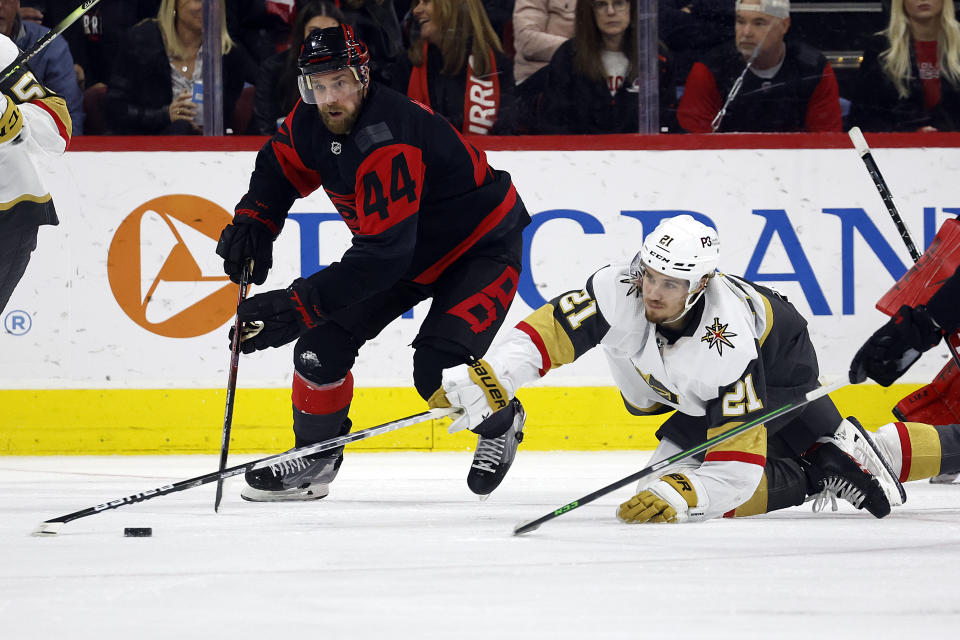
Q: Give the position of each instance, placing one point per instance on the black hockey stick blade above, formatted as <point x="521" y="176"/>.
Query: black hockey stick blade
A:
<point x="41" y="44"/>
<point x="819" y="392"/>
<point x="231" y="383"/>
<point x="53" y="525"/>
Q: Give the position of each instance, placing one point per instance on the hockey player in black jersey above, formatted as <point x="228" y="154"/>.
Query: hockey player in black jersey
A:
<point x="430" y="219"/>
<point x="716" y="350"/>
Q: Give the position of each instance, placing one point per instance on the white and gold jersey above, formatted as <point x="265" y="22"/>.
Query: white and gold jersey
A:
<point x="742" y="343"/>
<point x="46" y="129"/>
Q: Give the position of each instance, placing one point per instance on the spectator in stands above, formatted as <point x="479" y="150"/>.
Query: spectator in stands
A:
<point x="277" y="91"/>
<point x="376" y="24"/>
<point x="591" y="83"/>
<point x="786" y="86"/>
<point x="456" y="67"/>
<point x="156" y="85"/>
<point x="539" y="28"/>
<point x="53" y="66"/>
<point x="94" y="39"/>
<point x="910" y="75"/>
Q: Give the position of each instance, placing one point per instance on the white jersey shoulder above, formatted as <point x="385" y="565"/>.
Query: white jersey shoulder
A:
<point x="689" y="373"/>
<point x="8" y="51"/>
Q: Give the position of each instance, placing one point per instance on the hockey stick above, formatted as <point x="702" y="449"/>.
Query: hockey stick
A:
<point x="41" y="44"/>
<point x="860" y="144"/>
<point x="819" y="392"/>
<point x="231" y="383"/>
<point x="52" y="526"/>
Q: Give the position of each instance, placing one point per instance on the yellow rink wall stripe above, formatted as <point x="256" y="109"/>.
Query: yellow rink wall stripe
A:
<point x="138" y="421"/>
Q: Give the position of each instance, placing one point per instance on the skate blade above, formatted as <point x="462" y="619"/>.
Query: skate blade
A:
<point x="483" y="497"/>
<point x="944" y="478"/>
<point x="289" y="495"/>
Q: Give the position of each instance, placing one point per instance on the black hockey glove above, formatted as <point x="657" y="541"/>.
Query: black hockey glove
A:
<point x="895" y="346"/>
<point x="274" y="318"/>
<point x="243" y="240"/>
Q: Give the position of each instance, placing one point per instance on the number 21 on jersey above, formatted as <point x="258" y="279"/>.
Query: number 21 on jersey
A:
<point x="742" y="399"/>
<point x="569" y="304"/>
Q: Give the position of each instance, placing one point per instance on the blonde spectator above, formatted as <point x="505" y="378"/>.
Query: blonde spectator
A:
<point x="156" y="86"/>
<point x="910" y="75"/>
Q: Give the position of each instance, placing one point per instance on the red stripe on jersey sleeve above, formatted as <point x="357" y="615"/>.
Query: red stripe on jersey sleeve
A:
<point x="303" y="179"/>
<point x="736" y="456"/>
<point x="906" y="451"/>
<point x="389" y="186"/>
<point x="485" y="226"/>
<point x="61" y="125"/>
<point x="477" y="157"/>
<point x="538" y="343"/>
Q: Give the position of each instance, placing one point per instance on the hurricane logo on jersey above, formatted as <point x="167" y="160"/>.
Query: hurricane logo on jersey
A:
<point x="346" y="204"/>
<point x="718" y="336"/>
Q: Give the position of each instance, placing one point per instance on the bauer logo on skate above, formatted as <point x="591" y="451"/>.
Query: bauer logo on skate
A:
<point x="164" y="271"/>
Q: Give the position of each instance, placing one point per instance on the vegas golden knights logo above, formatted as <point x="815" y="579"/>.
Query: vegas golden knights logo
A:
<point x="718" y="336"/>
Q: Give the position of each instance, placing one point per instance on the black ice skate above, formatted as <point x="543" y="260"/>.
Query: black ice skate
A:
<point x="500" y="435"/>
<point x="836" y="474"/>
<point x="306" y="478"/>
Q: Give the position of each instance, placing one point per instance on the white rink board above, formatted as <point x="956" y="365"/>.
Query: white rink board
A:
<point x="80" y="337"/>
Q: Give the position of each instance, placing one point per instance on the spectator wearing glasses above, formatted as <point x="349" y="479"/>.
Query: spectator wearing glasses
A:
<point x="591" y="83"/>
<point x="759" y="82"/>
<point x="910" y="76"/>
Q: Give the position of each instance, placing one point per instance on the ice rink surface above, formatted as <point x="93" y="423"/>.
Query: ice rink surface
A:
<point x="402" y="549"/>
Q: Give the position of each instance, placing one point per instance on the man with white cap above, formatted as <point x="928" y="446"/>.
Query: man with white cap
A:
<point x="785" y="86"/>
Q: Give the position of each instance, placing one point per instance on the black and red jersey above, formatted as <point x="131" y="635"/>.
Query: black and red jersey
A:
<point x="416" y="195"/>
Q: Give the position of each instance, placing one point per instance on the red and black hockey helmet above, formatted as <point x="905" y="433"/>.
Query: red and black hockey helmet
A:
<point x="331" y="49"/>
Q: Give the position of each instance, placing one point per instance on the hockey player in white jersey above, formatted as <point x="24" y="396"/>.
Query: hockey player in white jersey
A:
<point x="717" y="351"/>
<point x="33" y="120"/>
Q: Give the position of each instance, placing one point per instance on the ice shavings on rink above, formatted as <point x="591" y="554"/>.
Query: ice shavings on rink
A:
<point x="402" y="549"/>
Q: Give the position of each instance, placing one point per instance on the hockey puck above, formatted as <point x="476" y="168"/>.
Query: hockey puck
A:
<point x="137" y="532"/>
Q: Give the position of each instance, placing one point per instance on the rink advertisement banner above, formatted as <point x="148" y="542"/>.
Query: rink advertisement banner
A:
<point x="127" y="292"/>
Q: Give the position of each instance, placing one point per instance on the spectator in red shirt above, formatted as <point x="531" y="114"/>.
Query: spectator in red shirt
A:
<point x="786" y="85"/>
<point x="910" y="75"/>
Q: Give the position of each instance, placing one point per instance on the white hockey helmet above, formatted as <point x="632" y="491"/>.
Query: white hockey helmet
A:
<point x="680" y="247"/>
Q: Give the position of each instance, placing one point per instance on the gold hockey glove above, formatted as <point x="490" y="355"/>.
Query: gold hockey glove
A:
<point x="666" y="500"/>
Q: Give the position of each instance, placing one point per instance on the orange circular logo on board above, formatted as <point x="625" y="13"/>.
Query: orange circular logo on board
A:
<point x="164" y="271"/>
